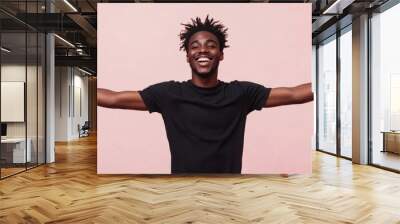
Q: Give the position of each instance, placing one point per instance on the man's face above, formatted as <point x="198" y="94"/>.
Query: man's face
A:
<point x="204" y="54"/>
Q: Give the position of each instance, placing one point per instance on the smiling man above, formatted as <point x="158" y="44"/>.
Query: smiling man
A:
<point x="205" y="117"/>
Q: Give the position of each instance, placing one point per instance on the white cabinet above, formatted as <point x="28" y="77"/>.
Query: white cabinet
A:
<point x="17" y="145"/>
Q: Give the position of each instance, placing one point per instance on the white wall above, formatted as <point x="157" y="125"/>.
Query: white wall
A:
<point x="62" y="81"/>
<point x="71" y="94"/>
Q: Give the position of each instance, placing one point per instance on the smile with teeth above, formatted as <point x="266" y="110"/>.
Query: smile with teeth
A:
<point x="203" y="60"/>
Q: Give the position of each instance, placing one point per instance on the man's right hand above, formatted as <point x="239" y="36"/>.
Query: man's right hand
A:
<point x="120" y="100"/>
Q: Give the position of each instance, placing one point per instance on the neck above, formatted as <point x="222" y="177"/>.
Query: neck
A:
<point x="205" y="82"/>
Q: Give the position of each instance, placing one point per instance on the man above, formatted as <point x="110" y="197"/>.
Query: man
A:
<point x="205" y="117"/>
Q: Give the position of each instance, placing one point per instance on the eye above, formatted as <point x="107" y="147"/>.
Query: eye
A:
<point x="194" y="46"/>
<point x="212" y="45"/>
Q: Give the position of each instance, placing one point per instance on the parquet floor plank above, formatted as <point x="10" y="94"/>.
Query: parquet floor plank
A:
<point x="70" y="191"/>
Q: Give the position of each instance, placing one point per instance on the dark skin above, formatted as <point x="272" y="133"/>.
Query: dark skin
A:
<point x="203" y="56"/>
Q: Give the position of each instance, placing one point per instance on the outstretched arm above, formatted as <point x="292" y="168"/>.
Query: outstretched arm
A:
<point x="120" y="100"/>
<point x="290" y="95"/>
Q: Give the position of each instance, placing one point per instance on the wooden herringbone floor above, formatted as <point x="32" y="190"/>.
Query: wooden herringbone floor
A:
<point x="70" y="191"/>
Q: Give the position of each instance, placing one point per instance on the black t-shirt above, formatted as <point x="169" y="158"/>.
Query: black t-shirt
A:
<point x="205" y="126"/>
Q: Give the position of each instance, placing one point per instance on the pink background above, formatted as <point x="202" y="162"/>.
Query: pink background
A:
<point x="138" y="45"/>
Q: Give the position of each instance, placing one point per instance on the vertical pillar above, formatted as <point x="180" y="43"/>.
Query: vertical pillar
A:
<point x="50" y="92"/>
<point x="360" y="90"/>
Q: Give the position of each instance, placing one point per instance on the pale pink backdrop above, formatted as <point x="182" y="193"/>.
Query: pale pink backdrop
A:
<point x="138" y="45"/>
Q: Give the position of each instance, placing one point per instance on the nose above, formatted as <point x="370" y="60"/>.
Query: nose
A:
<point x="203" y="49"/>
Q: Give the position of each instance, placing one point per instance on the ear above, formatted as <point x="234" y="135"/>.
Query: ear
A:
<point x="187" y="57"/>
<point x="221" y="57"/>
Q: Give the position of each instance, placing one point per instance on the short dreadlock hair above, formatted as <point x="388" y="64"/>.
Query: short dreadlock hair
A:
<point x="210" y="25"/>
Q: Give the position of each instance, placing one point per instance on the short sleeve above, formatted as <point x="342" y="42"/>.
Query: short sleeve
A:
<point x="154" y="96"/>
<point x="255" y="95"/>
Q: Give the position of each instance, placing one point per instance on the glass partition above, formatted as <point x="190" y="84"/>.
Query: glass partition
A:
<point x="13" y="94"/>
<point x="385" y="89"/>
<point x="346" y="92"/>
<point x="327" y="95"/>
<point x="41" y="91"/>
<point x="31" y="100"/>
<point x="22" y="88"/>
